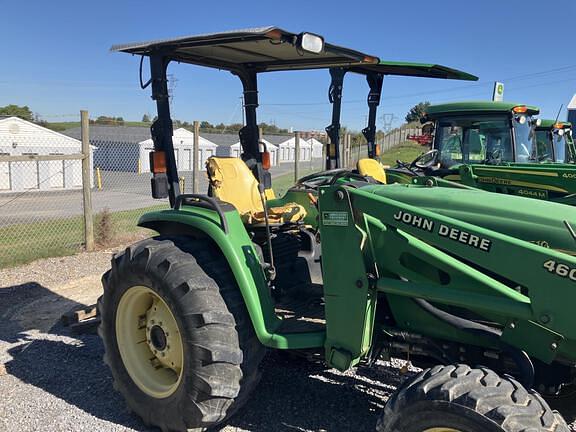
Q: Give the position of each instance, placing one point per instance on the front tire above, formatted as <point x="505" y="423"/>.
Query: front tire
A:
<point x="177" y="335"/>
<point x="457" y="398"/>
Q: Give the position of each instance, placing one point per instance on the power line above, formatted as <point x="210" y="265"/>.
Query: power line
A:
<point x="539" y="74"/>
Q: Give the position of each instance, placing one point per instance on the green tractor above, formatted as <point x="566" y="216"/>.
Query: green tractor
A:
<point x="554" y="138"/>
<point x="474" y="288"/>
<point x="497" y="147"/>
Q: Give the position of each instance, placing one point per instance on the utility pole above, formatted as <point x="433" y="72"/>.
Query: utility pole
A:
<point x="196" y="148"/>
<point x="296" y="154"/>
<point x="86" y="181"/>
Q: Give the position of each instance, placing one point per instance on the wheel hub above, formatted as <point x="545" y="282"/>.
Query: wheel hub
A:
<point x="160" y="334"/>
<point x="149" y="341"/>
<point x="158" y="338"/>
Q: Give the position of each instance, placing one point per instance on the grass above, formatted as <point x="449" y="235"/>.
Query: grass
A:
<point x="406" y="152"/>
<point x="23" y="243"/>
<point x="282" y="183"/>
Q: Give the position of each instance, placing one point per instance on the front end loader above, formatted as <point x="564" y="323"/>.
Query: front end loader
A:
<point x="475" y="288"/>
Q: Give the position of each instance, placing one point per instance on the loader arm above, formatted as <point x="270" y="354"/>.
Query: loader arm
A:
<point x="410" y="253"/>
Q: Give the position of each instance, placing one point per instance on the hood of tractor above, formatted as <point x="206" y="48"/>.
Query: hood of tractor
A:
<point x="536" y="221"/>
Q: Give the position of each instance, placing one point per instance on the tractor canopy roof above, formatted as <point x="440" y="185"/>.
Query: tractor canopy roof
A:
<point x="268" y="49"/>
<point x="455" y="108"/>
<point x="546" y="124"/>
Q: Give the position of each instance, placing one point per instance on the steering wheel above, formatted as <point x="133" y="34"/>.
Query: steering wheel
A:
<point x="494" y="157"/>
<point x="330" y="177"/>
<point x="429" y="159"/>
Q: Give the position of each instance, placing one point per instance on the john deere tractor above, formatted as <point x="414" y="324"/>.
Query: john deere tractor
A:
<point x="498" y="147"/>
<point x="554" y="141"/>
<point x="477" y="289"/>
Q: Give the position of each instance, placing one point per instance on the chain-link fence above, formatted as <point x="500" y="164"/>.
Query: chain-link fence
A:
<point x="43" y="187"/>
<point x="41" y="202"/>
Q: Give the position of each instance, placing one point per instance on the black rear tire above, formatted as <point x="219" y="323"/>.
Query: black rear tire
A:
<point x="463" y="399"/>
<point x="221" y="354"/>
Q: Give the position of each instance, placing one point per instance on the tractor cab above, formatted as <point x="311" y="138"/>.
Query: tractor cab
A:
<point x="484" y="133"/>
<point x="554" y="141"/>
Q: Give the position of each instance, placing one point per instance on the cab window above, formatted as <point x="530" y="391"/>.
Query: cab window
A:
<point x="474" y="139"/>
<point x="525" y="140"/>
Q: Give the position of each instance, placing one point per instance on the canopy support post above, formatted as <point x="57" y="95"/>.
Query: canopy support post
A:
<point x="333" y="130"/>
<point x="162" y="131"/>
<point x="375" y="82"/>
<point x="250" y="134"/>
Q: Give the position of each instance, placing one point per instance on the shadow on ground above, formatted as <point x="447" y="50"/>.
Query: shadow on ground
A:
<point x="294" y="395"/>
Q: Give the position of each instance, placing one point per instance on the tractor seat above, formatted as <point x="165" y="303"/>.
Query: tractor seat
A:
<point x="371" y="168"/>
<point x="233" y="182"/>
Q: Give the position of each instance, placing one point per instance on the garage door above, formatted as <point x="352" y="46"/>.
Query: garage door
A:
<point x="4" y="173"/>
<point x="204" y="155"/>
<point x="186" y="160"/>
<point x="29" y="173"/>
<point x="56" y="173"/>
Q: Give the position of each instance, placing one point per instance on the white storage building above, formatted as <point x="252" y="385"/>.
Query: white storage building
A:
<point x="127" y="148"/>
<point x="317" y="148"/>
<point x="20" y="137"/>
<point x="236" y="151"/>
<point x="309" y="149"/>
<point x="183" y="141"/>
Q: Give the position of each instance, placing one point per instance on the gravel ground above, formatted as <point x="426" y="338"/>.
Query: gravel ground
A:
<point x="51" y="379"/>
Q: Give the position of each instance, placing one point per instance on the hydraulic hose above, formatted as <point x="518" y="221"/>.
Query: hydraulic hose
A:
<point x="522" y="360"/>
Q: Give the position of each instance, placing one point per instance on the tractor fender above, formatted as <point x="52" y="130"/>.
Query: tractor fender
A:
<point x="239" y="252"/>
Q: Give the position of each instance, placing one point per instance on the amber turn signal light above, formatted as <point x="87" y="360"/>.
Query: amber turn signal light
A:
<point x="157" y="162"/>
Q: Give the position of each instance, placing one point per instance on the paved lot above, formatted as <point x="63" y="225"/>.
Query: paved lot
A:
<point x="120" y="191"/>
<point x="53" y="380"/>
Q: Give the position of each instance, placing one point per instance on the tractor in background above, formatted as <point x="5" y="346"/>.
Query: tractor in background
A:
<point x="555" y="142"/>
<point x="497" y="147"/>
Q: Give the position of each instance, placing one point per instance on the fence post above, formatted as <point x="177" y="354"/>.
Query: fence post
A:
<point x="296" y="154"/>
<point x="196" y="151"/>
<point x="86" y="183"/>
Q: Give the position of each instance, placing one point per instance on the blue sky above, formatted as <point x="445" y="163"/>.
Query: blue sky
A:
<point x="56" y="59"/>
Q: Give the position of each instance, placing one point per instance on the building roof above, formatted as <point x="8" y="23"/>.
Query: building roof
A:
<point x="120" y="134"/>
<point x="137" y="134"/>
<point x="434" y="111"/>
<point x="572" y="104"/>
<point x="15" y="125"/>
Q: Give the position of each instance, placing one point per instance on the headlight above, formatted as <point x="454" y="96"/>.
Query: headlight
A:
<point x="310" y="42"/>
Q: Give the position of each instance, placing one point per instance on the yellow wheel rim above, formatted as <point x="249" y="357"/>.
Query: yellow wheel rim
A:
<point x="149" y="342"/>
<point x="441" y="429"/>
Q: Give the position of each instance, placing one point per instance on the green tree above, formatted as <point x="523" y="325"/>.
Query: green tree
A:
<point x="106" y="120"/>
<point x="206" y="125"/>
<point x="417" y="112"/>
<point x="17" y="111"/>
<point x="145" y="118"/>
